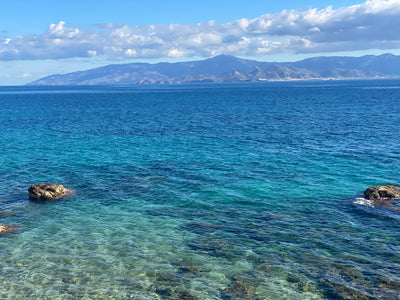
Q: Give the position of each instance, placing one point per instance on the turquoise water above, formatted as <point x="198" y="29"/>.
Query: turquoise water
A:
<point x="220" y="191"/>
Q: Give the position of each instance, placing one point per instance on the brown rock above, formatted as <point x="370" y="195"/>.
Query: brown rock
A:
<point x="188" y="269"/>
<point x="7" y="229"/>
<point x="239" y="289"/>
<point x="382" y="192"/>
<point x="49" y="191"/>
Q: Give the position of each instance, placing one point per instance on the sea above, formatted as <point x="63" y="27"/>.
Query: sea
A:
<point x="201" y="191"/>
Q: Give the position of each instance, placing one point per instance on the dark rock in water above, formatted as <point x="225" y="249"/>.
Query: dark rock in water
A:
<point x="171" y="286"/>
<point x="7" y="229"/>
<point x="49" y="191"/>
<point x="380" y="194"/>
<point x="188" y="269"/>
<point x="215" y="246"/>
<point x="239" y="289"/>
<point x="201" y="227"/>
<point x="341" y="280"/>
<point x="186" y="296"/>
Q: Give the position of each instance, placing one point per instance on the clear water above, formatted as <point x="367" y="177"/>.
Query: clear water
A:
<point x="242" y="191"/>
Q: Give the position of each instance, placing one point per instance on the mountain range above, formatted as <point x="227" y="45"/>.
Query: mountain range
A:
<point x="226" y="68"/>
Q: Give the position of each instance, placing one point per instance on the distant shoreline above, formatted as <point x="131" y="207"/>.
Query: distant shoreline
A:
<point x="200" y="83"/>
<point x="208" y="82"/>
<point x="225" y="68"/>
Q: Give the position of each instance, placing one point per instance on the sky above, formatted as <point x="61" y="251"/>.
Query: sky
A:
<point x="40" y="38"/>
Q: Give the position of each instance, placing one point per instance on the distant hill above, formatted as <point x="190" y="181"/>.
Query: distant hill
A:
<point x="226" y="68"/>
<point x="387" y="64"/>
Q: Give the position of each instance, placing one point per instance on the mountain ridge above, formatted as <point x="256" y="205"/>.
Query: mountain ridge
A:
<point x="227" y="68"/>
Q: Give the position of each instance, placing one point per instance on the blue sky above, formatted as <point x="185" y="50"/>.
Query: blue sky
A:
<point x="39" y="38"/>
<point x="27" y="16"/>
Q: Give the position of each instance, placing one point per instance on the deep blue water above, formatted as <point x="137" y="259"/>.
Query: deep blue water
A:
<point x="220" y="191"/>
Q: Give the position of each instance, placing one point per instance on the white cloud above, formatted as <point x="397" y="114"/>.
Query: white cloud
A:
<point x="92" y="52"/>
<point x="371" y="25"/>
<point x="130" y="52"/>
<point x="175" y="53"/>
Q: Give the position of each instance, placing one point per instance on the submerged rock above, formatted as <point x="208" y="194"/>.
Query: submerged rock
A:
<point x="201" y="227"/>
<point x="5" y="213"/>
<point x="381" y="193"/>
<point x="187" y="269"/>
<point x="171" y="286"/>
<point x="7" y="229"/>
<point x="239" y="289"/>
<point x="49" y="191"/>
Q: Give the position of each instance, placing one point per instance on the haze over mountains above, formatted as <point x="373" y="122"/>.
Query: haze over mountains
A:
<point x="225" y="68"/>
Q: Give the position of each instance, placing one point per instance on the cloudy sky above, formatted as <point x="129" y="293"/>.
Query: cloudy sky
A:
<point x="38" y="38"/>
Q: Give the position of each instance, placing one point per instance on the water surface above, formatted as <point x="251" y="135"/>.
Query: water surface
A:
<point x="220" y="191"/>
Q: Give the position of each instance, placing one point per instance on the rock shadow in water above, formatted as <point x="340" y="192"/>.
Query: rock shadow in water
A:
<point x="344" y="281"/>
<point x="239" y="289"/>
<point x="215" y="246"/>
<point x="201" y="227"/>
<point x="186" y="268"/>
<point x="171" y="286"/>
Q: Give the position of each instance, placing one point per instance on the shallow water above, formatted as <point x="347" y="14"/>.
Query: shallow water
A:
<point x="220" y="191"/>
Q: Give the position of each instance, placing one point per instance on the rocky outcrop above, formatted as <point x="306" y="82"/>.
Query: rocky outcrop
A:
<point x="49" y="191"/>
<point x="382" y="192"/>
<point x="7" y="229"/>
